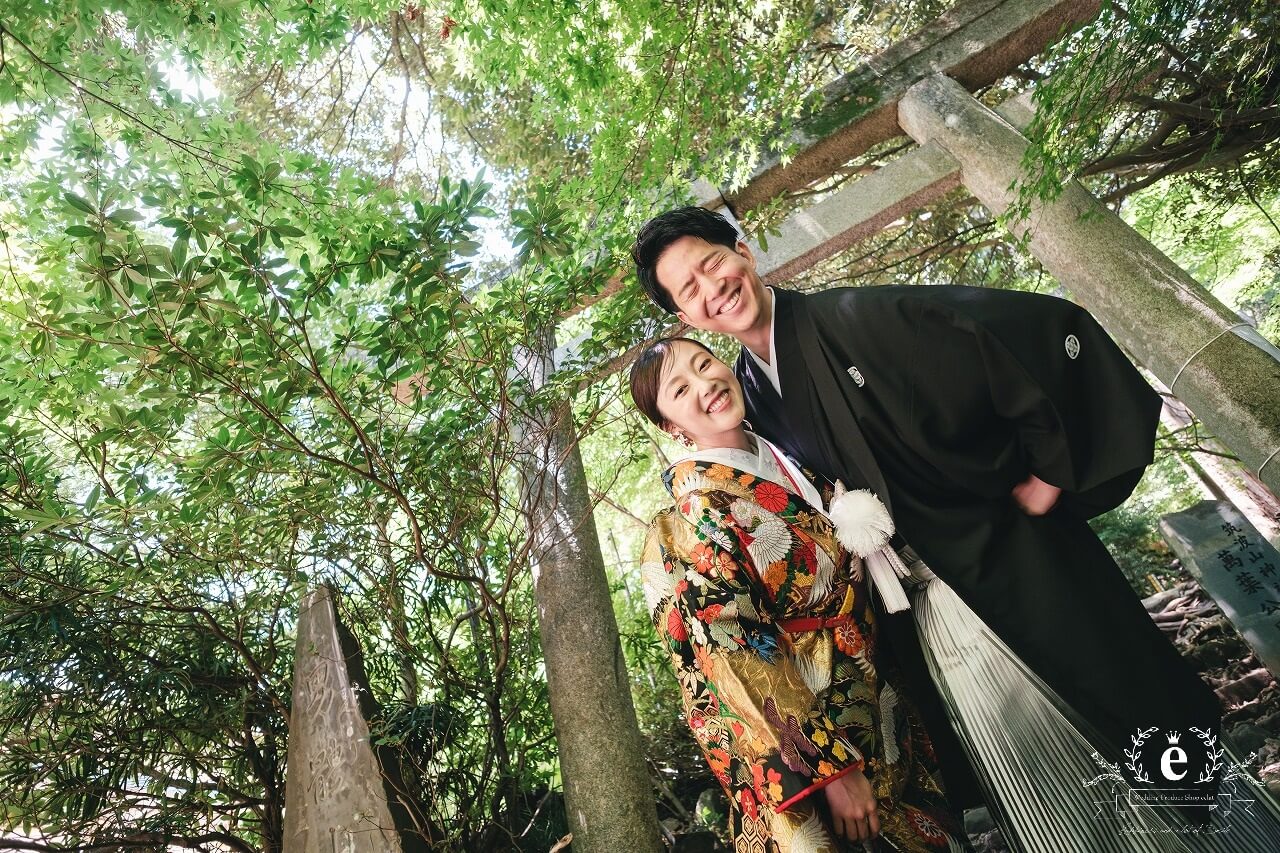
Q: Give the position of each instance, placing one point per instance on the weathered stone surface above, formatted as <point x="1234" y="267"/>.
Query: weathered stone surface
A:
<point x="863" y="207"/>
<point x="1147" y="302"/>
<point x="608" y="796"/>
<point x="1237" y="566"/>
<point x="858" y="211"/>
<point x="976" y="42"/>
<point x="334" y="796"/>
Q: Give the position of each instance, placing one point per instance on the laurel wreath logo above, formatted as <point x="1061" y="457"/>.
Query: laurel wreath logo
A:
<point x="1213" y="752"/>
<point x="1232" y="772"/>
<point x="1134" y="755"/>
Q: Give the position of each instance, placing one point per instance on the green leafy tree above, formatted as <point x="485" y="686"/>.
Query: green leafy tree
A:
<point x="252" y="339"/>
<point x="203" y="340"/>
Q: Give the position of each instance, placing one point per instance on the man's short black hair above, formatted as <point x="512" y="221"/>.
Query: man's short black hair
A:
<point x="663" y="230"/>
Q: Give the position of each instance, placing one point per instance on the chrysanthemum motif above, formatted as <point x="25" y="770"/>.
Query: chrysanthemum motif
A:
<point x="658" y="584"/>
<point x="720" y="472"/>
<point x="771" y="496"/>
<point x="743" y="512"/>
<point x="676" y="627"/>
<point x="811" y="836"/>
<point x="774" y="576"/>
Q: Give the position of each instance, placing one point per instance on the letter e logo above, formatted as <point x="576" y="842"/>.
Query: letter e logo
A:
<point x="1174" y="755"/>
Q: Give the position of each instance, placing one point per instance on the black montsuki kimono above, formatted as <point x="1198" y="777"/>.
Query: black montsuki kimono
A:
<point x="940" y="400"/>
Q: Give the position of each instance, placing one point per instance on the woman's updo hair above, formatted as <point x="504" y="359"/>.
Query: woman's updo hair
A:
<point x="646" y="376"/>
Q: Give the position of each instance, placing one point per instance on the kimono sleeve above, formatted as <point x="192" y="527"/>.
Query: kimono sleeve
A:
<point x="767" y="737"/>
<point x="1085" y="418"/>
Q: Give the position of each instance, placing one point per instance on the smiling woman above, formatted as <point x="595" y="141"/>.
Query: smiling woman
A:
<point x="690" y="393"/>
<point x="767" y="620"/>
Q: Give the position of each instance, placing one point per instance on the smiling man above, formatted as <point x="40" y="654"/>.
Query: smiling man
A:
<point x="993" y="424"/>
<point x="716" y="289"/>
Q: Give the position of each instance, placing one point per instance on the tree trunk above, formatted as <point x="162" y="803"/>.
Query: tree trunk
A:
<point x="609" y="799"/>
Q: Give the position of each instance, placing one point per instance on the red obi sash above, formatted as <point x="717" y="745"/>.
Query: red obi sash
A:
<point x="812" y="623"/>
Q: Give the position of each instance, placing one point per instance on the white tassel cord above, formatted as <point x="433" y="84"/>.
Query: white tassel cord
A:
<point x="884" y="574"/>
<point x="862" y="523"/>
<point x="899" y="567"/>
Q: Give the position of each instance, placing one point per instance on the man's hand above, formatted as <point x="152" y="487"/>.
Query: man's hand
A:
<point x="853" y="807"/>
<point x="1035" y="496"/>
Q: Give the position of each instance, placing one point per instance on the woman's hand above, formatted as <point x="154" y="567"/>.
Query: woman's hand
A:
<point x="1035" y="496"/>
<point x="853" y="807"/>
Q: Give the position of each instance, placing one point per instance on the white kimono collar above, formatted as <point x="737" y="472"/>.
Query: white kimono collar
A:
<point x="766" y="462"/>
<point x="849" y="513"/>
<point x="770" y="369"/>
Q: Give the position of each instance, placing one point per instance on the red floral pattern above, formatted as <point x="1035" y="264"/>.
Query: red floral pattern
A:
<point x="771" y="496"/>
<point x="717" y="614"/>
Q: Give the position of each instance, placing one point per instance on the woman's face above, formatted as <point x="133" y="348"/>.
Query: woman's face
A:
<point x="699" y="395"/>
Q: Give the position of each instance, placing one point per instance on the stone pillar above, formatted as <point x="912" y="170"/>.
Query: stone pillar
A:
<point x="609" y="800"/>
<point x="1223" y="370"/>
<point x="1237" y="566"/>
<point x="335" y="798"/>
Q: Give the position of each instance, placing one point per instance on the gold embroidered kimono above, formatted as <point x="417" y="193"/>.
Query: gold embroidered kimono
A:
<point x="741" y="577"/>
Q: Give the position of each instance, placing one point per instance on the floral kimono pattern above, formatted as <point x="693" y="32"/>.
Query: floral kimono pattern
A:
<point x="773" y="640"/>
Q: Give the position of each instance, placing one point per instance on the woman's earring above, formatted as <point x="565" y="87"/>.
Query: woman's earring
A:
<point x="683" y="439"/>
<point x="746" y="424"/>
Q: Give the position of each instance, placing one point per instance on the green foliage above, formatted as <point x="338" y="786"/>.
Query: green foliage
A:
<point x="1233" y="247"/>
<point x="1153" y="88"/>
<point x="1131" y="531"/>
<point x="253" y="341"/>
<point x="646" y="88"/>
<point x="126" y="686"/>
<point x="203" y="336"/>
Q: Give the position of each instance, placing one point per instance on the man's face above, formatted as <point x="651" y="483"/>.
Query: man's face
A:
<point x="714" y="288"/>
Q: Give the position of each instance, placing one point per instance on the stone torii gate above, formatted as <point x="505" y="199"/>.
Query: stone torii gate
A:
<point x="1195" y="345"/>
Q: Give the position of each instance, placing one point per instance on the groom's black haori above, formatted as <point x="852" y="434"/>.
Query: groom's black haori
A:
<point x="941" y="400"/>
